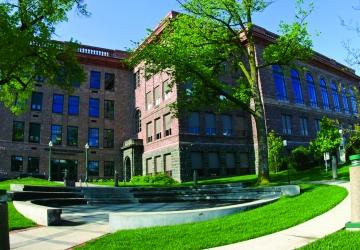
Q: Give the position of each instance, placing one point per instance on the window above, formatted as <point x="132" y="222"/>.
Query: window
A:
<point x="214" y="164"/>
<point x="108" y="138"/>
<point x="34" y="132"/>
<point x="296" y="84"/>
<point x="93" y="137"/>
<point x="149" y="166"/>
<point x="312" y="90"/>
<point x="158" y="165"/>
<point x="149" y="100"/>
<point x="137" y="78"/>
<point x="56" y="134"/>
<point x="280" y="87"/>
<point x="353" y="102"/>
<point x="16" y="163"/>
<point x="345" y="100"/>
<point x="72" y="136"/>
<point x="168" y="164"/>
<point x="226" y="121"/>
<point x="109" y="109"/>
<point x="196" y="162"/>
<point x="149" y="132"/>
<point x="244" y="160"/>
<point x="18" y="131"/>
<point x="286" y="124"/>
<point x="158" y="129"/>
<point x="93" y="168"/>
<point x="304" y="126"/>
<point x="210" y="124"/>
<point x="317" y="125"/>
<point x="335" y="96"/>
<point x="138" y="121"/>
<point x="166" y="90"/>
<point x="94" y="107"/>
<point x="109" y="81"/>
<point x="33" y="165"/>
<point x="324" y="94"/>
<point x="230" y="163"/>
<point x="58" y="104"/>
<point x="73" y="105"/>
<point x="36" y="101"/>
<point x="109" y="169"/>
<point x="167" y="124"/>
<point x="194" y="123"/>
<point x="95" y="79"/>
<point x="157" y="96"/>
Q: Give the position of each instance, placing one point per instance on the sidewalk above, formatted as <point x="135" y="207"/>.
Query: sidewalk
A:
<point x="301" y="234"/>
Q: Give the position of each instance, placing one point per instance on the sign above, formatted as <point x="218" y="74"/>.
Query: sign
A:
<point x="326" y="156"/>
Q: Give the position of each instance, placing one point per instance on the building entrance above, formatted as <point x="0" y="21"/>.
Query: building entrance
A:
<point x="58" y="169"/>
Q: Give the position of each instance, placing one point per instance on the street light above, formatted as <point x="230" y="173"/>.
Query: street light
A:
<point x="50" y="147"/>
<point x="86" y="161"/>
<point x="285" y="144"/>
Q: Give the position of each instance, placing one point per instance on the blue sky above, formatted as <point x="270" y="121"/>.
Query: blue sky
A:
<point x="115" y="23"/>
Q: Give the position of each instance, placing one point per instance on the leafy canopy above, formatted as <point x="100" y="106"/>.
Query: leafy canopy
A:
<point x="328" y="138"/>
<point x="27" y="51"/>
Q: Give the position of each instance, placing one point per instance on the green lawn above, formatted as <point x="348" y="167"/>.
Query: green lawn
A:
<point x="17" y="220"/>
<point x="343" y="240"/>
<point x="285" y="213"/>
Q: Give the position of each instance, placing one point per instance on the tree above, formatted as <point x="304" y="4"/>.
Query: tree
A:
<point x="275" y="147"/>
<point x="210" y="53"/>
<point x="353" y="142"/>
<point x="27" y="51"/>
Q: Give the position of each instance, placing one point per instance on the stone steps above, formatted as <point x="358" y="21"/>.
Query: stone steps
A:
<point x="34" y="195"/>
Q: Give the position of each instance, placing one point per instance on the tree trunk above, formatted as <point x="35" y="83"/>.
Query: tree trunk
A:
<point x="261" y="154"/>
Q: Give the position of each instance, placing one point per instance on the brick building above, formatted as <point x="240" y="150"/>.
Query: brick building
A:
<point x="125" y="119"/>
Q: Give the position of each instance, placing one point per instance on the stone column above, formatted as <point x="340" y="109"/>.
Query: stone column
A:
<point x="4" y="224"/>
<point x="354" y="224"/>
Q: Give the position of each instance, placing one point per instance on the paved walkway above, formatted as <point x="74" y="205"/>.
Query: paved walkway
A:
<point x="301" y="234"/>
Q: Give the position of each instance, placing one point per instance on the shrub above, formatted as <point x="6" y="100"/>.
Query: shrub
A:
<point x="158" y="179"/>
<point x="303" y="158"/>
<point x="275" y="146"/>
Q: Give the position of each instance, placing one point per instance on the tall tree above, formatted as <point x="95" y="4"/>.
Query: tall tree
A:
<point x="210" y="51"/>
<point x="27" y="51"/>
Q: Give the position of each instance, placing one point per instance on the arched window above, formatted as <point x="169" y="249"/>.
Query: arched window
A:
<point x="353" y="101"/>
<point x="312" y="90"/>
<point x="138" y="121"/>
<point x="295" y="79"/>
<point x="344" y="99"/>
<point x="335" y="95"/>
<point x="280" y="86"/>
<point x="324" y="94"/>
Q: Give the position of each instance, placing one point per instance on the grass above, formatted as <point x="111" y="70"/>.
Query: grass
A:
<point x="285" y="213"/>
<point x="343" y="239"/>
<point x="17" y="220"/>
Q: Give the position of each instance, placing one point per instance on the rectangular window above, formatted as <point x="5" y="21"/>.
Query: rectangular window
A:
<point x="94" y="107"/>
<point x="226" y="121"/>
<point x="58" y="104"/>
<point x="286" y="124"/>
<point x="317" y="125"/>
<point x="167" y="124"/>
<point x="158" y="129"/>
<point x="158" y="165"/>
<point x="109" y="168"/>
<point x="93" y="137"/>
<point x="149" y="132"/>
<point x="18" y="131"/>
<point x="108" y="138"/>
<point x="214" y="164"/>
<point x="157" y="96"/>
<point x="168" y="164"/>
<point x="210" y="124"/>
<point x="73" y="105"/>
<point x="230" y="163"/>
<point x="196" y="162"/>
<point x="34" y="132"/>
<point x="149" y="100"/>
<point x="93" y="168"/>
<point x="72" y="136"/>
<point x="149" y="166"/>
<point x="166" y="90"/>
<point x="95" y="77"/>
<point x="194" y="123"/>
<point x="36" y="101"/>
<point x="137" y="78"/>
<point x="244" y="160"/>
<point x="33" y="165"/>
<point x="109" y="109"/>
<point x="56" y="134"/>
<point x="16" y="163"/>
<point x="304" y="126"/>
<point x="109" y="81"/>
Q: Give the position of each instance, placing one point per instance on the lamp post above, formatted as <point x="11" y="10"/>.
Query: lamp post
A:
<point x="285" y="144"/>
<point x="86" y="161"/>
<point x="50" y="147"/>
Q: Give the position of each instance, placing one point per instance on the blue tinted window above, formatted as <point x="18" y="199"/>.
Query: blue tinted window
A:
<point x="279" y="80"/>
<point x="353" y="102"/>
<point x="58" y="103"/>
<point x="345" y="100"/>
<point x="335" y="96"/>
<point x="312" y="90"/>
<point x="94" y="107"/>
<point x="295" y="79"/>
<point x="324" y="94"/>
<point x="93" y="168"/>
<point x="95" y="79"/>
<point x="56" y="134"/>
<point x="73" y="108"/>
<point x="93" y="137"/>
<point x="36" y="101"/>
